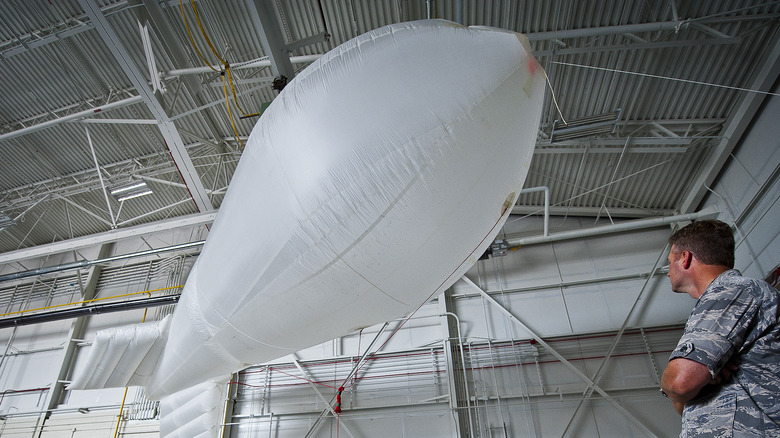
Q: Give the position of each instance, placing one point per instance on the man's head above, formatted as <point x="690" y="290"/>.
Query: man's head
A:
<point x="700" y="251"/>
<point x="710" y="241"/>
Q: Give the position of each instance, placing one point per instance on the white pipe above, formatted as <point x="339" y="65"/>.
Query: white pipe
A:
<point x="260" y="62"/>
<point x="75" y="116"/>
<point x="546" y="191"/>
<point x="86" y="263"/>
<point x="107" y="236"/>
<point x="709" y="212"/>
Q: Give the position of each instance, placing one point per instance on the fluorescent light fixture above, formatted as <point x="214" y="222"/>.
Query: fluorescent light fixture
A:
<point x="128" y="188"/>
<point x="6" y="221"/>
<point x="130" y="191"/>
<point x="134" y="195"/>
<point x="586" y="127"/>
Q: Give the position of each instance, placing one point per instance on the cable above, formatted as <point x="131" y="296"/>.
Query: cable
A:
<point x="225" y="64"/>
<point x="192" y="40"/>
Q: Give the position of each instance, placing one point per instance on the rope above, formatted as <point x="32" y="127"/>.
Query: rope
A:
<point x="555" y="101"/>
<point x="337" y="409"/>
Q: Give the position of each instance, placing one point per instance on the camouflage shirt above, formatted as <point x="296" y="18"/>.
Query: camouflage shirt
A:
<point x="736" y="319"/>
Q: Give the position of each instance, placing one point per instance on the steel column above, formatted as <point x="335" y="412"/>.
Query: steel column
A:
<point x="456" y="366"/>
<point x="77" y="330"/>
<point x="272" y="38"/>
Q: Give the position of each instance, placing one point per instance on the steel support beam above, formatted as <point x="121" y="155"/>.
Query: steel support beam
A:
<point x="456" y="366"/>
<point x="71" y="117"/>
<point x="643" y="45"/>
<point x="89" y="263"/>
<point x="659" y="26"/>
<point x="153" y="14"/>
<point x="173" y="140"/>
<point x="558" y="356"/>
<point x="256" y="63"/>
<point x="108" y="236"/>
<point x="734" y="129"/>
<point x="272" y="38"/>
<point x="640" y="141"/>
<point x="44" y="40"/>
<point x="68" y="356"/>
<point x="88" y="310"/>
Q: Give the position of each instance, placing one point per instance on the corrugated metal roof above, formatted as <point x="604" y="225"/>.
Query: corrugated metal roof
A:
<point x="655" y="64"/>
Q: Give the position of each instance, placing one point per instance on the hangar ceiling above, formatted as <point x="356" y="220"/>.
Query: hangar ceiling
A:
<point x="99" y="94"/>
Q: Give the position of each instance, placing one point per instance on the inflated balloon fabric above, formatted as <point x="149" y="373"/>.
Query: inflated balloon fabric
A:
<point x="375" y="179"/>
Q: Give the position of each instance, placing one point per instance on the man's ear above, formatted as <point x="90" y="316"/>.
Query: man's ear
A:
<point x="687" y="259"/>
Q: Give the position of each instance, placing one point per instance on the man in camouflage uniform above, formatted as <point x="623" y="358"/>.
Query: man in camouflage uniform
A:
<point x="724" y="375"/>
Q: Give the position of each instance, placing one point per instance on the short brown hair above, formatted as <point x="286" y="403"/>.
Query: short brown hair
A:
<point x="710" y="240"/>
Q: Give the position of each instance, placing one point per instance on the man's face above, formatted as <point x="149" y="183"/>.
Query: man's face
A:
<point x="675" y="269"/>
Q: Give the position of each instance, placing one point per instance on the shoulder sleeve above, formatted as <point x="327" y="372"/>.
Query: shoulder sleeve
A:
<point x="717" y="326"/>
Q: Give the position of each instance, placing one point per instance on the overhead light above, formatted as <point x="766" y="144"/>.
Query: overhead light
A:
<point x="6" y="221"/>
<point x="586" y="127"/>
<point x="83" y="410"/>
<point x="130" y="191"/>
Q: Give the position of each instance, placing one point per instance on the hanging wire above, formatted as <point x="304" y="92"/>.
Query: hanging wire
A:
<point x="614" y="70"/>
<point x="555" y="101"/>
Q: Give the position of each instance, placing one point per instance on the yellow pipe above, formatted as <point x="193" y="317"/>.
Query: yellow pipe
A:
<point x="119" y="417"/>
<point x="91" y="301"/>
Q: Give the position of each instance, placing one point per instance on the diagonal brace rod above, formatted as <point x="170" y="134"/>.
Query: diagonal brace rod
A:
<point x="639" y="297"/>
<point x="563" y="360"/>
<point x="310" y="381"/>
<point x="351" y="373"/>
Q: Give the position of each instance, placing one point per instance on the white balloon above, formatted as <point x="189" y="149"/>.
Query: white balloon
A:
<point x="374" y="180"/>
